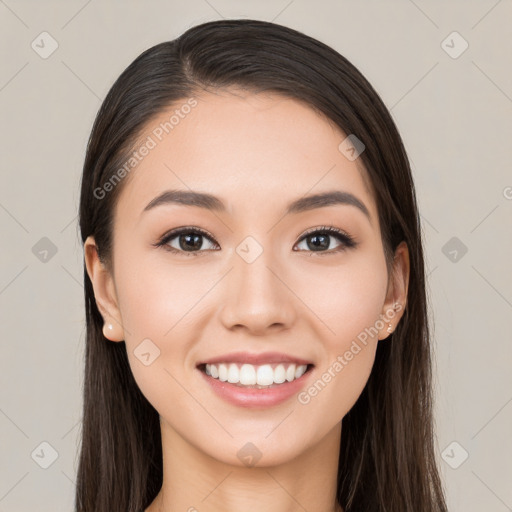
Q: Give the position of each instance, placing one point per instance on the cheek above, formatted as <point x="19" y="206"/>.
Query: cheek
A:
<point x="347" y="297"/>
<point x="348" y="301"/>
<point x="154" y="302"/>
<point x="148" y="295"/>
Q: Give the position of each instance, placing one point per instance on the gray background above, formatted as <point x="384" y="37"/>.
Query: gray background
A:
<point x="453" y="114"/>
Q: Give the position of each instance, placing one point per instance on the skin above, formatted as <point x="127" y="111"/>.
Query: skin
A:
<point x="257" y="152"/>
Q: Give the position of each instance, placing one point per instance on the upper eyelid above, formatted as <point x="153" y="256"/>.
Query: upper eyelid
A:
<point x="331" y="229"/>
<point x="188" y="229"/>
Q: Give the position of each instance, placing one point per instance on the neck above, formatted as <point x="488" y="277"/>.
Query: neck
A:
<point x="195" y="482"/>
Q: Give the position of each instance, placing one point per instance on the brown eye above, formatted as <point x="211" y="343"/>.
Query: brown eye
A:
<point x="188" y="241"/>
<point x="319" y="240"/>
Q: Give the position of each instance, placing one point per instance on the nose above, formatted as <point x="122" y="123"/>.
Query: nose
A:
<point x="257" y="298"/>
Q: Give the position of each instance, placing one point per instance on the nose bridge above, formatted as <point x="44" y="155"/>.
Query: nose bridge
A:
<point x="255" y="295"/>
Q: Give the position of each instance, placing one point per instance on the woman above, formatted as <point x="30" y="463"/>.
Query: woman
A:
<point x="257" y="332"/>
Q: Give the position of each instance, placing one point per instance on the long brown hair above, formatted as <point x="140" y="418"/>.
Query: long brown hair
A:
<point x="387" y="458"/>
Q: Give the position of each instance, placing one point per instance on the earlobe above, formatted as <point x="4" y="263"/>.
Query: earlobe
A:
<point x="396" y="298"/>
<point x="104" y="292"/>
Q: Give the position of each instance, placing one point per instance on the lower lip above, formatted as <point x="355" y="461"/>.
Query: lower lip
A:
<point x="254" y="397"/>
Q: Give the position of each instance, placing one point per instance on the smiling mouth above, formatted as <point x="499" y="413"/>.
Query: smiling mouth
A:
<point x="264" y="376"/>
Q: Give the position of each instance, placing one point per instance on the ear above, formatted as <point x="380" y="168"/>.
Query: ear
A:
<point x="104" y="292"/>
<point x="396" y="295"/>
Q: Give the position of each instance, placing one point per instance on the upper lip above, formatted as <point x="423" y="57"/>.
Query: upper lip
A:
<point x="255" y="359"/>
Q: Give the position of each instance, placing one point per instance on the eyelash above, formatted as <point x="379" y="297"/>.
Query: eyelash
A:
<point x="347" y="242"/>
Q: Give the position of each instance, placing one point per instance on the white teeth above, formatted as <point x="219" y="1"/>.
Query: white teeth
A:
<point x="264" y="375"/>
<point x="279" y="374"/>
<point x="300" y="371"/>
<point x="247" y="375"/>
<point x="223" y="372"/>
<point x="214" y="371"/>
<point x="250" y="375"/>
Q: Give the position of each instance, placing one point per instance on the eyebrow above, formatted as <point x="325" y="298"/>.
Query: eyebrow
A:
<point x="213" y="203"/>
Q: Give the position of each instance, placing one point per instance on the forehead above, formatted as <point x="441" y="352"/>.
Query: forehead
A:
<point x="250" y="149"/>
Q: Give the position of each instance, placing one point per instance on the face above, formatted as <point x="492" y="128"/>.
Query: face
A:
<point x="249" y="276"/>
